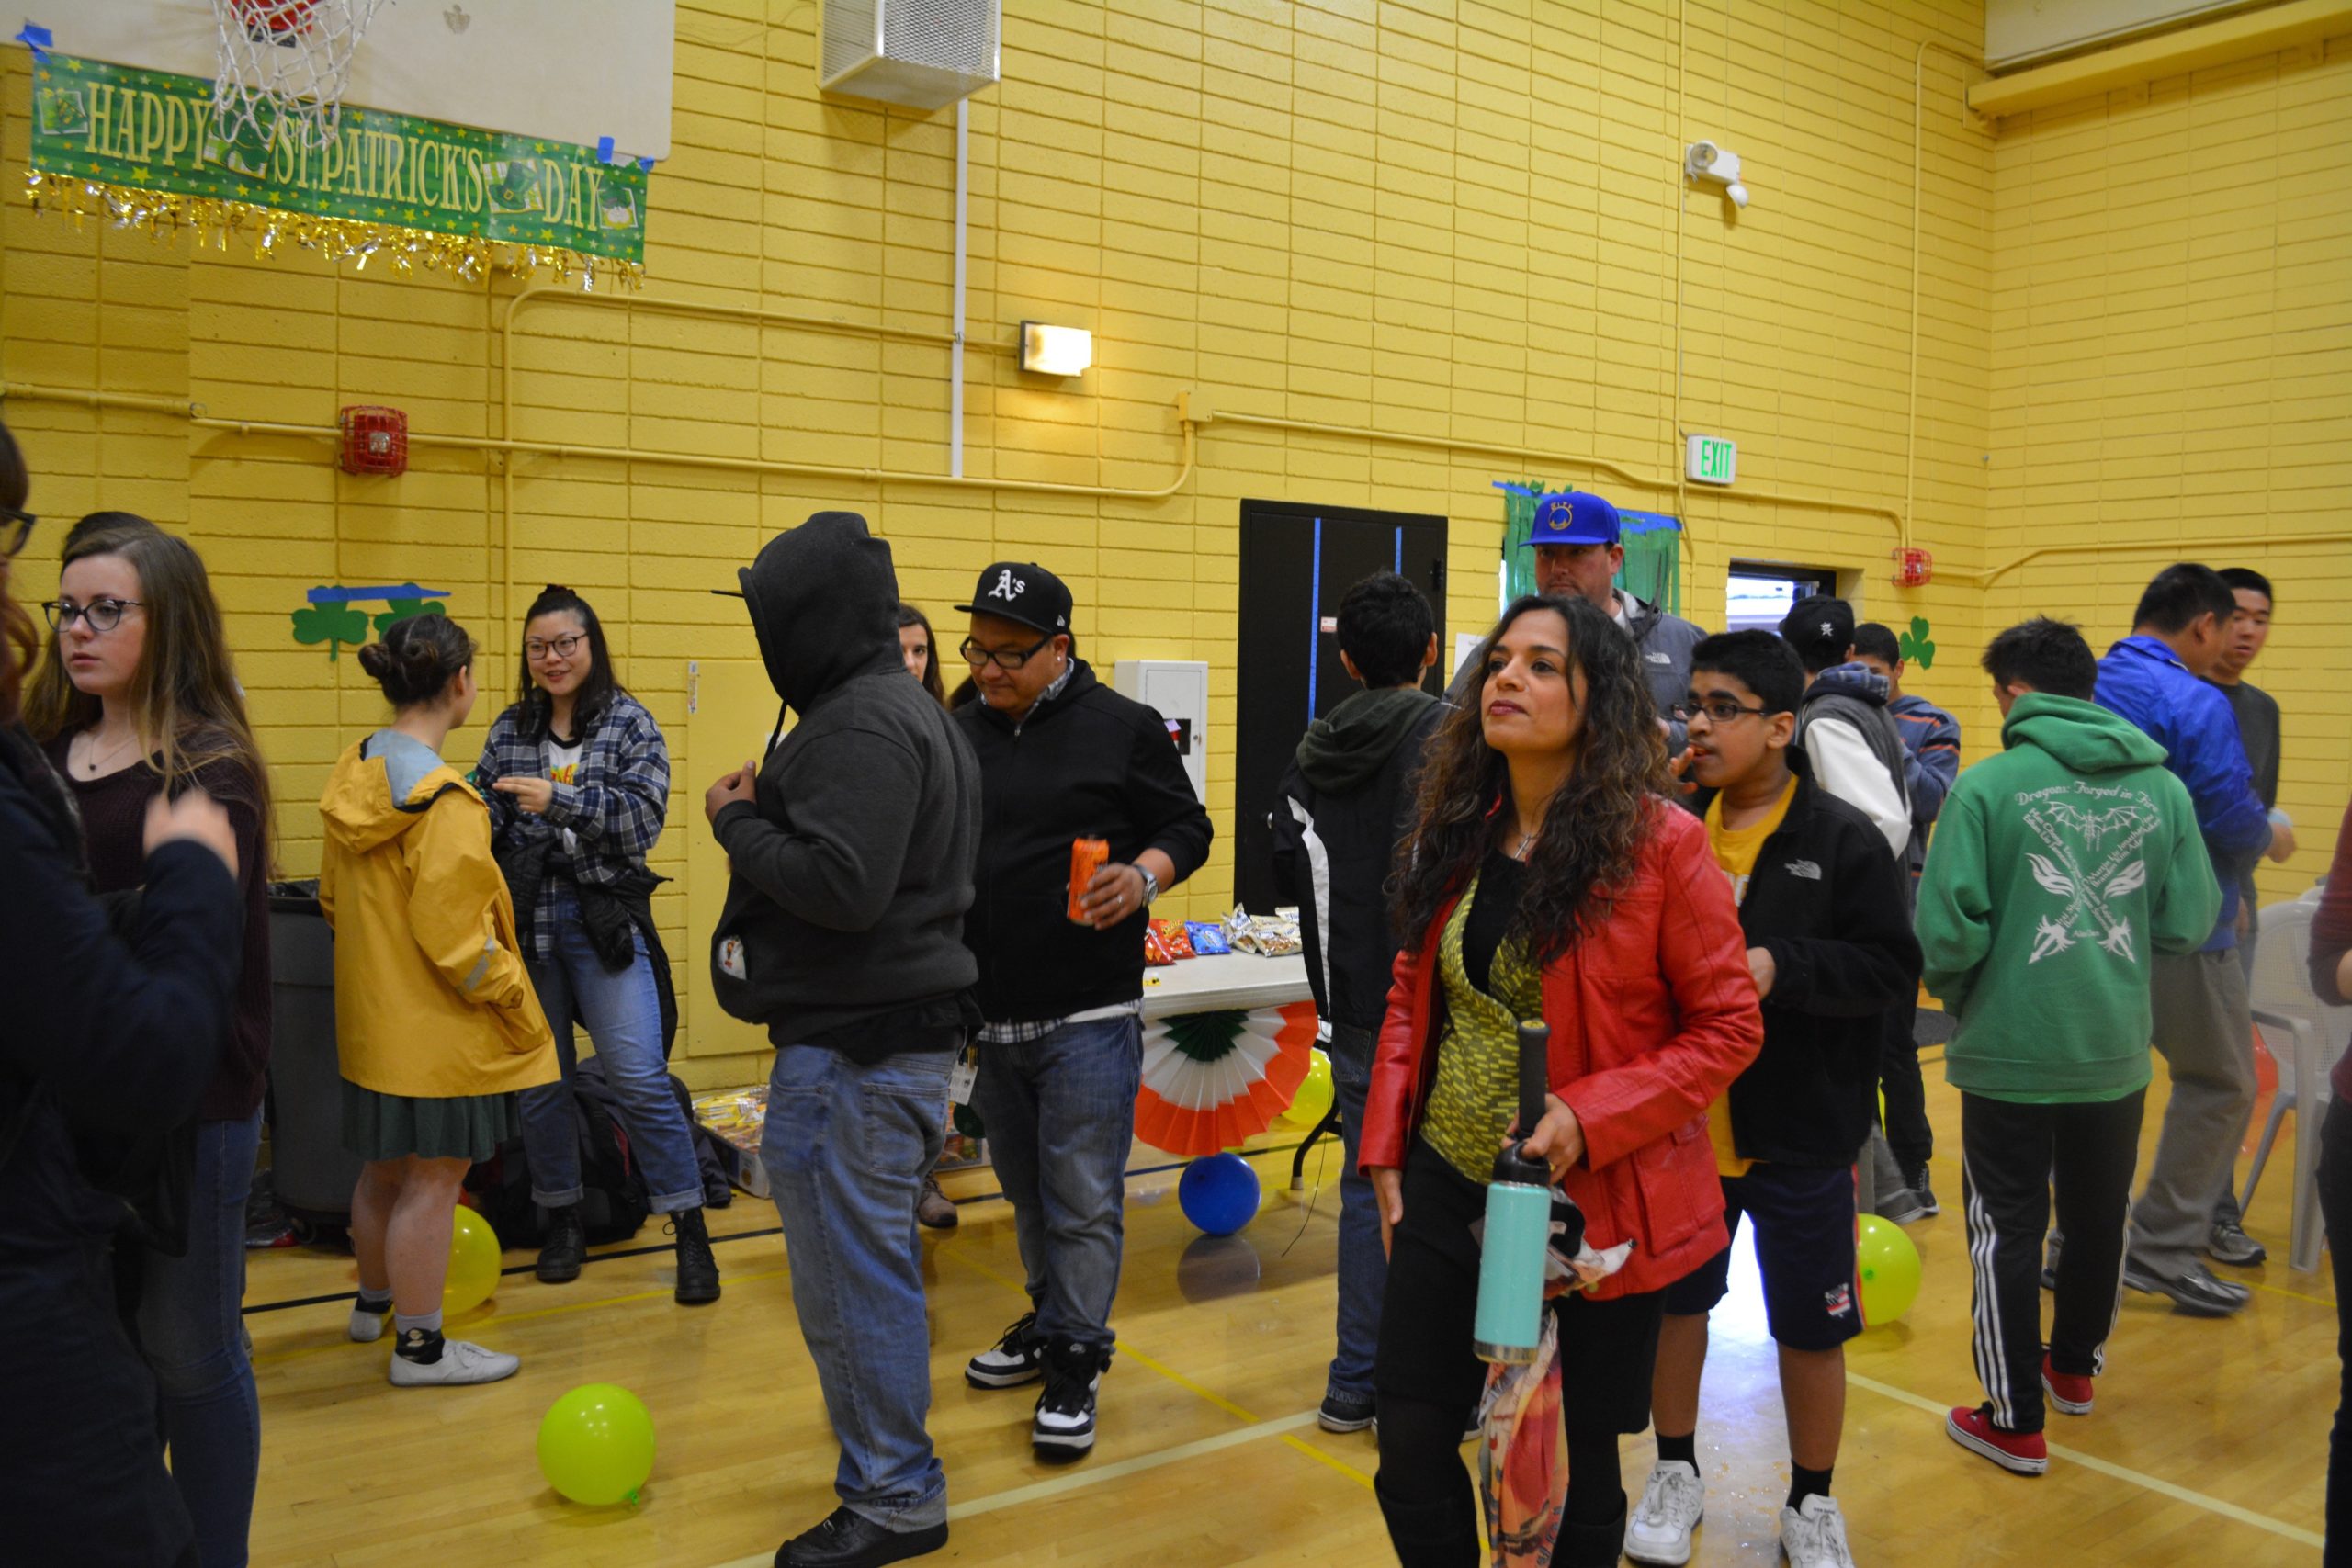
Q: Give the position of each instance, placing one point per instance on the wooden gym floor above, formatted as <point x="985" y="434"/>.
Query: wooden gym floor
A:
<point x="2209" y="1444"/>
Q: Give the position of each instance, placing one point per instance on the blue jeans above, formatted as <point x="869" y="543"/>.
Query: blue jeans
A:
<point x="623" y="1014"/>
<point x="1364" y="1267"/>
<point x="845" y="1149"/>
<point x="1060" y="1114"/>
<point x="191" y="1326"/>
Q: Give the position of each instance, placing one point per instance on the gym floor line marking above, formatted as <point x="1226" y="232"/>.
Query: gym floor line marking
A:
<point x="1094" y="1475"/>
<point x="2290" y="1295"/>
<point x="2109" y="1468"/>
<point x="468" y="1324"/>
<point x="716" y="1240"/>
<point x="1180" y="1379"/>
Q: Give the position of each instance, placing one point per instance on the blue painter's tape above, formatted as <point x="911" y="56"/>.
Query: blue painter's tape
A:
<point x="38" y="40"/>
<point x="603" y="149"/>
<point x="646" y="164"/>
<point x="348" y="595"/>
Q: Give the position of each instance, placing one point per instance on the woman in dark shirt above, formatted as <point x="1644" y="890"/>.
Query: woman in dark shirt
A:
<point x="103" y="1034"/>
<point x="138" y="698"/>
<point x="2331" y="961"/>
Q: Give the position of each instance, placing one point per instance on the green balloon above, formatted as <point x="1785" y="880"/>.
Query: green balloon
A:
<point x="597" y="1445"/>
<point x="1889" y="1267"/>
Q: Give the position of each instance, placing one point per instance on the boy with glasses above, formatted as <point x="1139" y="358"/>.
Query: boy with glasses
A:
<point x="1822" y="901"/>
<point x="1062" y="758"/>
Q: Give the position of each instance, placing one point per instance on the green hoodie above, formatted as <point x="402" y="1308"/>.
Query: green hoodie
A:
<point x="2059" y="869"/>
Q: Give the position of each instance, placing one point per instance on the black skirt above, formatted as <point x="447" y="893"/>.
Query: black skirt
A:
<point x="1428" y="1315"/>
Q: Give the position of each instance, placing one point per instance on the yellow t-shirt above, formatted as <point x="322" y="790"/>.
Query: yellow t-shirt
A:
<point x="1736" y="852"/>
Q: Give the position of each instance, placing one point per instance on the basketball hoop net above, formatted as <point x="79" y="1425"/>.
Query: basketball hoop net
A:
<point x="284" y="62"/>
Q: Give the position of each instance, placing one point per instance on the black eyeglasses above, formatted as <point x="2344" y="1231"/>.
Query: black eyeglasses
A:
<point x="1722" y="710"/>
<point x="976" y="656"/>
<point x="561" y="647"/>
<point x="15" y="527"/>
<point x="103" y="615"/>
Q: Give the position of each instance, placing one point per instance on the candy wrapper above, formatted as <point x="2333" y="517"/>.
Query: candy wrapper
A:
<point x="1267" y="936"/>
<point x="1207" y="936"/>
<point x="738" y="1117"/>
<point x="1177" y="938"/>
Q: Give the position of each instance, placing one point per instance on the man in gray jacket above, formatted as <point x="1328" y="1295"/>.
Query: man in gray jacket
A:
<point x="851" y="850"/>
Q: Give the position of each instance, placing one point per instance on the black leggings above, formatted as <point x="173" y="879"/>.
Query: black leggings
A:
<point x="1419" y="1464"/>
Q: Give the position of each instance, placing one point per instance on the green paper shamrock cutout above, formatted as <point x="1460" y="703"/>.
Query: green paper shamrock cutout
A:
<point x="401" y="609"/>
<point x="334" y="625"/>
<point x="1913" y="643"/>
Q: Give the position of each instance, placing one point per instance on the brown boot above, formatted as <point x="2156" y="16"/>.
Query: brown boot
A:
<point x="932" y="1208"/>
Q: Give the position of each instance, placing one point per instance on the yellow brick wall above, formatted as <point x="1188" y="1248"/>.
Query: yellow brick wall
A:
<point x="2171" y="374"/>
<point x="1454" y="219"/>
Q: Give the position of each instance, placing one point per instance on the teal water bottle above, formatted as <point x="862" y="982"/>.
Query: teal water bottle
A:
<point x="1518" y="1222"/>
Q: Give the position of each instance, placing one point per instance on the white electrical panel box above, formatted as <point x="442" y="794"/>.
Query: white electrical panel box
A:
<point x="1177" y="690"/>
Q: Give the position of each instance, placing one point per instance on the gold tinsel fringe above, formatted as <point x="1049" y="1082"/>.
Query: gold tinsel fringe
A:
<point x="267" y="229"/>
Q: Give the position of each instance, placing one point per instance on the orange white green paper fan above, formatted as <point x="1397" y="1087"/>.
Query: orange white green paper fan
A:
<point x="1212" y="1079"/>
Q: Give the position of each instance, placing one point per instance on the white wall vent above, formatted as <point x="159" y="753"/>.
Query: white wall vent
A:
<point x="925" y="54"/>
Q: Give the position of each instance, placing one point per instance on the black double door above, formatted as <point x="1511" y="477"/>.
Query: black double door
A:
<point x="1297" y="563"/>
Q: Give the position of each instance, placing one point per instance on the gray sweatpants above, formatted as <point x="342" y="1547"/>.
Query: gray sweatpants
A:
<point x="2206" y="1034"/>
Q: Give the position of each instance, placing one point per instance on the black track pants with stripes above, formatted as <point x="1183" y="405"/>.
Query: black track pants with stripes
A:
<point x="2011" y="1155"/>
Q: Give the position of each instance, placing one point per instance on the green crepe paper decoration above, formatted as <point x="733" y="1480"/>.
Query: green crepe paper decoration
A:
<point x="1913" y="643"/>
<point x="1206" y="1036"/>
<point x="331" y="624"/>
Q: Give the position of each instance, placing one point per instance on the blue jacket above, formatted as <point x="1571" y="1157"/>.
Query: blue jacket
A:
<point x="1930" y="763"/>
<point x="2144" y="681"/>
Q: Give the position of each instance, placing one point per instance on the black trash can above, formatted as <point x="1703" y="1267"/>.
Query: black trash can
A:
<point x="310" y="1168"/>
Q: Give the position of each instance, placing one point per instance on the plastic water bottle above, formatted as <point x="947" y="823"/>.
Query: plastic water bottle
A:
<point x="1519" y="1222"/>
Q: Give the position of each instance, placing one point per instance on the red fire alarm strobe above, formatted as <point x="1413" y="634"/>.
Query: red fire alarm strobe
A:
<point x="1912" y="567"/>
<point x="375" y="441"/>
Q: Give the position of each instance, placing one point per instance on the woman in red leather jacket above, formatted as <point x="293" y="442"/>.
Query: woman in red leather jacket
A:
<point x="1548" y="872"/>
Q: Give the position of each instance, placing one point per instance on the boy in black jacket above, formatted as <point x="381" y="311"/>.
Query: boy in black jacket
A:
<point x="1823" y="902"/>
<point x="1062" y="757"/>
<point x="1347" y="802"/>
<point x="850" y="852"/>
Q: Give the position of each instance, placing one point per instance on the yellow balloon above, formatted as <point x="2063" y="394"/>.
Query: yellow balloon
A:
<point x="1313" y="1100"/>
<point x="597" y="1445"/>
<point x="473" y="1264"/>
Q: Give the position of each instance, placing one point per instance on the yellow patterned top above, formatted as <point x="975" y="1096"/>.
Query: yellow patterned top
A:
<point x="1477" y="1092"/>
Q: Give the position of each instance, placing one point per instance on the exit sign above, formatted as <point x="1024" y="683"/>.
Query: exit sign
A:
<point x="1712" y="461"/>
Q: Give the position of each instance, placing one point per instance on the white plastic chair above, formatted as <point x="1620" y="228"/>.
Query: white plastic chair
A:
<point x="2286" y="1006"/>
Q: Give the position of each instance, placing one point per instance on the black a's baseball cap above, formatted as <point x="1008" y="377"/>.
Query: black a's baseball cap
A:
<point x="1820" y="628"/>
<point x="1023" y="591"/>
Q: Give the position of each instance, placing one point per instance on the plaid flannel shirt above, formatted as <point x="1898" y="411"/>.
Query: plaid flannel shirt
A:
<point x="614" y="809"/>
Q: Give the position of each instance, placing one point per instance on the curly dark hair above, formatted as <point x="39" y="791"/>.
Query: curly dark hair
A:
<point x="1595" y="824"/>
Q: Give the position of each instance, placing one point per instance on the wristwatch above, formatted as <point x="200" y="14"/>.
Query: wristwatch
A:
<point x="1150" y="886"/>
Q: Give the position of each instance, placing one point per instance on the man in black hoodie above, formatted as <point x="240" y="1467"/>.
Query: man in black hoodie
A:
<point x="851" y="851"/>
<point x="1063" y="757"/>
<point x="1346" y="803"/>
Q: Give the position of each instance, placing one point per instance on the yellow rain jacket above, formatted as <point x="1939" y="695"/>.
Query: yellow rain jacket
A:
<point x="432" y="1001"/>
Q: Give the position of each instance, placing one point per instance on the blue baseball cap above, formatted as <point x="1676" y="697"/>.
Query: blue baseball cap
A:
<point x="1574" y="517"/>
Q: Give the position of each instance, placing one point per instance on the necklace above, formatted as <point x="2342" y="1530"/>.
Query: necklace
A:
<point x="92" y="760"/>
<point x="1523" y="844"/>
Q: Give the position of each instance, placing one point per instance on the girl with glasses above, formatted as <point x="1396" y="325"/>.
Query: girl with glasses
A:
<point x="111" y="1038"/>
<point x="138" y="698"/>
<point x="578" y="779"/>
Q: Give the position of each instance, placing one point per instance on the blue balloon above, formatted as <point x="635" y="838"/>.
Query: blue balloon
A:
<point x="1218" y="1192"/>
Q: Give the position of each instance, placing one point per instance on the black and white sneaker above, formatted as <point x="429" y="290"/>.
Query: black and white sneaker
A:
<point x="1018" y="1357"/>
<point x="2195" y="1293"/>
<point x="1928" y="1207"/>
<point x="2230" y="1244"/>
<point x="1346" y="1413"/>
<point x="1064" y="1425"/>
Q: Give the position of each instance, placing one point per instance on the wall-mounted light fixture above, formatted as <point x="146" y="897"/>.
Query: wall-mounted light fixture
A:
<point x="1707" y="161"/>
<point x="1056" y="351"/>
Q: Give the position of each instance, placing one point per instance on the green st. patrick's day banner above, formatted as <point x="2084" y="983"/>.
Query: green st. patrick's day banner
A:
<point x="119" y="127"/>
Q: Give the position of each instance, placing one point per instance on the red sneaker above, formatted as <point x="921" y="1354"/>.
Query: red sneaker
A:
<point x="2023" y="1453"/>
<point x="2067" y="1390"/>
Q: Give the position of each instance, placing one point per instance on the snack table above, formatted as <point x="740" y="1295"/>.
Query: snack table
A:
<point x="1220" y="980"/>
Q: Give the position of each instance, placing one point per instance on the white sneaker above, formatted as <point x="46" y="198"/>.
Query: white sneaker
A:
<point x="461" y="1362"/>
<point x="367" y="1324"/>
<point x="1671" y="1506"/>
<point x="1813" y="1536"/>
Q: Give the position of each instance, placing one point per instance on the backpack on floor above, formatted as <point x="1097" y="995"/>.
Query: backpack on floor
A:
<point x="613" y="1205"/>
